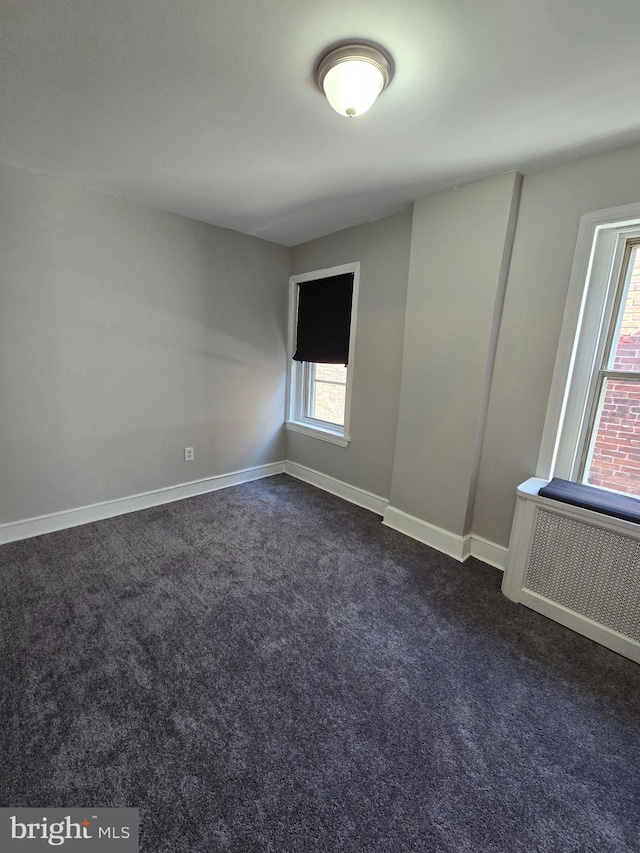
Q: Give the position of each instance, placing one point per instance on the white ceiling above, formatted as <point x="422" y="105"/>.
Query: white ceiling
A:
<point x="208" y="107"/>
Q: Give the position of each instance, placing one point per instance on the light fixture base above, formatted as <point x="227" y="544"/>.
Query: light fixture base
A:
<point x="355" y="51"/>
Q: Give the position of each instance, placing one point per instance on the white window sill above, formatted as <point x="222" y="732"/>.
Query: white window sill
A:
<point x="318" y="432"/>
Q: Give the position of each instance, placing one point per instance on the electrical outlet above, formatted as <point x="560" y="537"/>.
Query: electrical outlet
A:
<point x="188" y="454"/>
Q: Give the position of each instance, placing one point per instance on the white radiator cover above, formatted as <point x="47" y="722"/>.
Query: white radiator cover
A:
<point x="578" y="567"/>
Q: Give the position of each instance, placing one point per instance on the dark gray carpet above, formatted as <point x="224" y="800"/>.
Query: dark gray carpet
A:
<point x="268" y="668"/>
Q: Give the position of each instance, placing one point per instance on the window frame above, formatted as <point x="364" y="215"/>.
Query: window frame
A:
<point x="298" y="372"/>
<point x="593" y="296"/>
<point x="604" y="372"/>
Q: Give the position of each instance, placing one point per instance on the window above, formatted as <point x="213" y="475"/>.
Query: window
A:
<point x="611" y="456"/>
<point x="592" y="431"/>
<point x="322" y="315"/>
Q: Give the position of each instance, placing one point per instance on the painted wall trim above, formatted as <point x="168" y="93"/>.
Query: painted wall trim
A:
<point x="13" y="531"/>
<point x="353" y="494"/>
<point x="449" y="543"/>
<point x="489" y="552"/>
<point x="458" y="547"/>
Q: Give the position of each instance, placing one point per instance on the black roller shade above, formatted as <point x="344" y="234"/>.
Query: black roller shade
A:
<point x="324" y="320"/>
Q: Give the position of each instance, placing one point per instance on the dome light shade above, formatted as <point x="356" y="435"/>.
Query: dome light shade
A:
<point x="352" y="77"/>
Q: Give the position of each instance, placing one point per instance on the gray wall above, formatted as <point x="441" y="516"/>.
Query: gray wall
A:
<point x="552" y="203"/>
<point x="383" y="249"/>
<point x="462" y="449"/>
<point x="126" y="334"/>
<point x="460" y="247"/>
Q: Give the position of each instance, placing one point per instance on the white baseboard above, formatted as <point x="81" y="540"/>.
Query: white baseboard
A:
<point x="28" y="527"/>
<point x="353" y="494"/>
<point x="489" y="552"/>
<point x="458" y="547"/>
<point x="449" y="543"/>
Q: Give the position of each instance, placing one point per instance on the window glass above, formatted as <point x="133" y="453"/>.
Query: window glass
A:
<point x="326" y="402"/>
<point x="615" y="456"/>
<point x="626" y="349"/>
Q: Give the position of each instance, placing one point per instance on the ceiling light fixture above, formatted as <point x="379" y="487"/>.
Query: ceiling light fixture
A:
<point x="352" y="76"/>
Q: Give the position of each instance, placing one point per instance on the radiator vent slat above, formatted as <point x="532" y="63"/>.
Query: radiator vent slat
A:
<point x="588" y="569"/>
